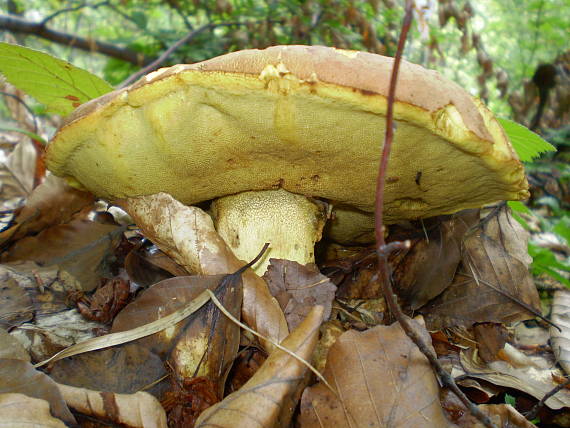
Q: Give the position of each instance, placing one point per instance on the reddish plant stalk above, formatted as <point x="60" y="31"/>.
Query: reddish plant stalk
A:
<point x="383" y="250"/>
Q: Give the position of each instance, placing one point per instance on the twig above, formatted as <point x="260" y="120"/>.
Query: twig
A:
<point x="72" y="9"/>
<point x="187" y="38"/>
<point x="533" y="413"/>
<point x="174" y="5"/>
<point x="384" y="250"/>
<point x="28" y="109"/>
<point x="157" y="62"/>
<point x="23" y="26"/>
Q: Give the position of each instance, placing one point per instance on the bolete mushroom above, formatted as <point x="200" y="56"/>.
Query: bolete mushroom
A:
<point x="265" y="133"/>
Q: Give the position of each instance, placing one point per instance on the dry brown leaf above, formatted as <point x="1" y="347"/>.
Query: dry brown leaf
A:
<point x="531" y="336"/>
<point x="502" y="415"/>
<point x="534" y="375"/>
<point x="298" y="288"/>
<point x="80" y="247"/>
<point x="32" y="291"/>
<point x="128" y="368"/>
<point x="17" y="173"/>
<point x="19" y="410"/>
<point x="134" y="410"/>
<point x="491" y="339"/>
<point x="123" y="369"/>
<point x="428" y="267"/>
<point x="187" y="234"/>
<point x="560" y="340"/>
<point x="494" y="266"/>
<point x="270" y="396"/>
<point x="17" y="376"/>
<point x="205" y="344"/>
<point x="382" y="380"/>
<point x="148" y="265"/>
<point x="50" y="333"/>
<point x="209" y="343"/>
<point x="10" y="347"/>
<point x="52" y="202"/>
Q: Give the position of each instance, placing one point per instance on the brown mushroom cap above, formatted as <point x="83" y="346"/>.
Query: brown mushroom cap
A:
<point x="308" y="119"/>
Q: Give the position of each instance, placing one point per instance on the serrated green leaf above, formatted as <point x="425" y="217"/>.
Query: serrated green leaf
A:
<point x="59" y="85"/>
<point x="526" y="143"/>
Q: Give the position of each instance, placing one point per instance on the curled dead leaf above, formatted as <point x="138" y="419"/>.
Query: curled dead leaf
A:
<point x="18" y="410"/>
<point x="560" y="339"/>
<point x="269" y="397"/>
<point x="187" y="234"/>
<point x="298" y="289"/>
<point x="134" y="410"/>
<point x="382" y="379"/>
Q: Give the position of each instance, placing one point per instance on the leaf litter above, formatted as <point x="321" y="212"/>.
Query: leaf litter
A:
<point x="164" y="352"/>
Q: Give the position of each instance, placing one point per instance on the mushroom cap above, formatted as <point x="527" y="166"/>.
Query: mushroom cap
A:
<point x="308" y="119"/>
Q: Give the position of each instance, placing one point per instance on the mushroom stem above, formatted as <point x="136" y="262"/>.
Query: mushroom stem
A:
<point x="291" y="223"/>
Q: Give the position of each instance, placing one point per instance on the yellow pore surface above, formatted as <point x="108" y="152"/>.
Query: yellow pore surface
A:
<point x="201" y="135"/>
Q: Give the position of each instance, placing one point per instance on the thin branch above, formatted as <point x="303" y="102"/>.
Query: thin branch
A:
<point x="384" y="250"/>
<point x="533" y="413"/>
<point x="186" y="39"/>
<point x="72" y="9"/>
<point x="23" y="26"/>
<point x="162" y="58"/>
<point x="26" y="106"/>
<point x="176" y="7"/>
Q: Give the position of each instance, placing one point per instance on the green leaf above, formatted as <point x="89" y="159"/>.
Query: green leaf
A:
<point x="562" y="229"/>
<point x="59" y="85"/>
<point x="519" y="207"/>
<point x="140" y="19"/>
<point x="544" y="261"/>
<point x="23" y="131"/>
<point x="509" y="399"/>
<point x="526" y="143"/>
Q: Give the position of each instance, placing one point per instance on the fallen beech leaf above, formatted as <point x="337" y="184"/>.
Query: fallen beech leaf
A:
<point x="134" y="410"/>
<point x="19" y="410"/>
<point x="187" y="234"/>
<point x="491" y="339"/>
<point x="147" y="266"/>
<point x="50" y="333"/>
<point x="560" y="340"/>
<point x="159" y="304"/>
<point x="502" y="415"/>
<point x="106" y="302"/>
<point x="30" y="290"/>
<point x="17" y="172"/>
<point x="246" y="364"/>
<point x="119" y="338"/>
<point x="428" y="267"/>
<point x="269" y="397"/>
<point x="494" y="266"/>
<point x="125" y="369"/>
<point x="17" y="376"/>
<point x="52" y="202"/>
<point x="533" y="375"/>
<point x="298" y="288"/>
<point x="11" y="348"/>
<point x="80" y="247"/>
<point x="382" y="379"/>
<point x="209" y="343"/>
<point x="204" y="344"/>
<point x="158" y="301"/>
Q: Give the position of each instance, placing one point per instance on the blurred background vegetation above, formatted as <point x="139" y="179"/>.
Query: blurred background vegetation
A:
<point x="491" y="47"/>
